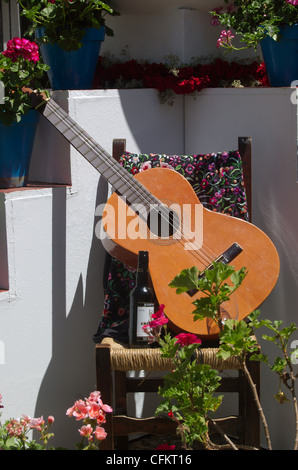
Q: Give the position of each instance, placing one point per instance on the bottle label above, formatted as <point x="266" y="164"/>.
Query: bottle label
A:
<point x="144" y="312"/>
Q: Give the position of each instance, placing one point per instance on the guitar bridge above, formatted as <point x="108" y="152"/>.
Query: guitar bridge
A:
<point x="225" y="258"/>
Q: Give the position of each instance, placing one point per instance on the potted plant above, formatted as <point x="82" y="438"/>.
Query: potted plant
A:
<point x="70" y="33"/>
<point x="271" y="23"/>
<point x="20" y="68"/>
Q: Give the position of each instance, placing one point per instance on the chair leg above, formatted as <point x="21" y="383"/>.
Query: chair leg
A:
<point x="120" y="406"/>
<point x="104" y="385"/>
<point x="250" y="432"/>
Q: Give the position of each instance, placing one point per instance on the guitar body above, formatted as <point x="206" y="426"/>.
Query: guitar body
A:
<point x="169" y="256"/>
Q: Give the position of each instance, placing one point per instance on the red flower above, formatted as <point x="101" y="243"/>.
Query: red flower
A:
<point x="185" y="339"/>
<point x="165" y="447"/>
<point x="20" y="47"/>
<point x="158" y="318"/>
<point x="187" y="80"/>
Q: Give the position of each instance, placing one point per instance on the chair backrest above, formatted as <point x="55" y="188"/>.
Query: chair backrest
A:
<point x="244" y="147"/>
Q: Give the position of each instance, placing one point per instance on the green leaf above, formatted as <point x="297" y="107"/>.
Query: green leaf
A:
<point x="186" y="280"/>
<point x="259" y="357"/>
<point x="279" y="364"/>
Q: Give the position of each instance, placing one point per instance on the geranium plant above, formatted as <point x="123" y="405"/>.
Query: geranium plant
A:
<point x="14" y="433"/>
<point x="64" y="20"/>
<point x="237" y="338"/>
<point x="188" y="391"/>
<point x="92" y="412"/>
<point x="253" y="20"/>
<point x="20" y="67"/>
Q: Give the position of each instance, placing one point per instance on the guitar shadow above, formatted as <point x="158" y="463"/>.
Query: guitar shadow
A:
<point x="70" y="374"/>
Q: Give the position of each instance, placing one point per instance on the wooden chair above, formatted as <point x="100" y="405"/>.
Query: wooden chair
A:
<point x="114" y="360"/>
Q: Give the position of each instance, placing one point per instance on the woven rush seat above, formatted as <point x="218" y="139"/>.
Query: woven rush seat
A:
<point x="113" y="362"/>
<point x="125" y="358"/>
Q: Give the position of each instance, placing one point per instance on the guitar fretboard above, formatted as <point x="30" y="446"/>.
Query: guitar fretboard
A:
<point x="122" y="181"/>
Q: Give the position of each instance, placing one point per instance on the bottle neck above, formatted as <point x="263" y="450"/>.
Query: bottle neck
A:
<point x="142" y="275"/>
<point x="142" y="271"/>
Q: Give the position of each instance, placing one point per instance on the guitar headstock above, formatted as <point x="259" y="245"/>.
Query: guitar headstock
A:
<point x="38" y="100"/>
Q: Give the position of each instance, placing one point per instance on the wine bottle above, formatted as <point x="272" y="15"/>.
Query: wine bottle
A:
<point x="141" y="302"/>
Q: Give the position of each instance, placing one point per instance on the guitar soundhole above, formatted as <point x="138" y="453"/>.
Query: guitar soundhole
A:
<point x="163" y="222"/>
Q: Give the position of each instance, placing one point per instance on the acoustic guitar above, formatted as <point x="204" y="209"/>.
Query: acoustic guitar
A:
<point x="157" y="210"/>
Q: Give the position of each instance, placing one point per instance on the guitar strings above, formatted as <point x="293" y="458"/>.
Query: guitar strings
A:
<point x="95" y="147"/>
<point x="99" y="151"/>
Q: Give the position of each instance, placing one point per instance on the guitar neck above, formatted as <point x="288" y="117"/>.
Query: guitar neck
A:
<point x="123" y="182"/>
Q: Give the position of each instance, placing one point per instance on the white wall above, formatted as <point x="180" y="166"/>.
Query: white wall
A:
<point x="168" y="28"/>
<point x="54" y="259"/>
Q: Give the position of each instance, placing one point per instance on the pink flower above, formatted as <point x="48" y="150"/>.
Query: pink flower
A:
<point x="158" y="319"/>
<point x="15" y="429"/>
<point x="107" y="408"/>
<point x="1" y="406"/>
<point x="292" y="2"/>
<point x="159" y="316"/>
<point x="100" y="433"/>
<point x="96" y="412"/>
<point x="86" y="430"/>
<point x="94" y="400"/>
<point x="225" y="38"/>
<point x="79" y="410"/>
<point x="94" y="396"/>
<point x="158" y="322"/>
<point x="50" y="420"/>
<point x="153" y="329"/>
<point x="185" y="339"/>
<point x="92" y="408"/>
<point x="36" y="423"/>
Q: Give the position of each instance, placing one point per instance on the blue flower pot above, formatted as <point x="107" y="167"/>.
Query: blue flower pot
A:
<point x="72" y="70"/>
<point x="16" y="144"/>
<point x="281" y="57"/>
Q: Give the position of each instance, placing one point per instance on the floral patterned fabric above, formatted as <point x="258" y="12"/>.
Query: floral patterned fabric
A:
<point x="217" y="180"/>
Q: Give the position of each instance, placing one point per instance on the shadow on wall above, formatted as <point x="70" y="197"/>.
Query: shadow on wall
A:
<point x="153" y="127"/>
<point x="71" y="372"/>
